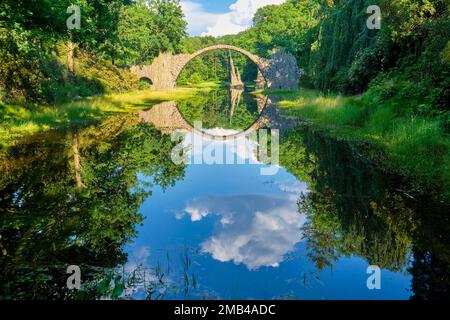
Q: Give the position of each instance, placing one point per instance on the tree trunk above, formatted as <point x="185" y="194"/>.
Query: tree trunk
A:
<point x="214" y="65"/>
<point x="77" y="162"/>
<point x="70" y="57"/>
<point x="228" y="70"/>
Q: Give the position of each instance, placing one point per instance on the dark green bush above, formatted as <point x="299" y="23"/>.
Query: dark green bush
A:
<point x="363" y="69"/>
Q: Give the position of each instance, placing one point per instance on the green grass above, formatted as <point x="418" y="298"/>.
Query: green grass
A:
<point x="20" y="120"/>
<point x="414" y="146"/>
<point x="203" y="85"/>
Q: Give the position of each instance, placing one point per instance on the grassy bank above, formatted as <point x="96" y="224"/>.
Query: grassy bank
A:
<point x="19" y="120"/>
<point x="416" y="146"/>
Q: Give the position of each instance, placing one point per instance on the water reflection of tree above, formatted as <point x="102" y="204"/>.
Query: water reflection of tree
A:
<point x="431" y="276"/>
<point x="49" y="222"/>
<point x="215" y="110"/>
<point x="354" y="209"/>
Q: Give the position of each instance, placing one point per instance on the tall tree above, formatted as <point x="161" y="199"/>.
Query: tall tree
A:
<point x="148" y="27"/>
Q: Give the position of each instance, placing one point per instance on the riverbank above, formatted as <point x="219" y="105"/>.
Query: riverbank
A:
<point x="414" y="146"/>
<point x="21" y="120"/>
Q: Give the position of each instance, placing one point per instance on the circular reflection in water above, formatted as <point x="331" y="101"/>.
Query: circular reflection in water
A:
<point x="224" y="111"/>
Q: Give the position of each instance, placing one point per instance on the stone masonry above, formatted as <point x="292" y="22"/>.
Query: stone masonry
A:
<point x="280" y="71"/>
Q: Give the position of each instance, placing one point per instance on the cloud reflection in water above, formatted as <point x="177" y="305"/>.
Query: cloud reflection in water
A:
<point x="255" y="230"/>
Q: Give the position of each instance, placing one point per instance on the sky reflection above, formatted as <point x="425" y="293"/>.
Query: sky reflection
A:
<point x="241" y="234"/>
<point x="255" y="230"/>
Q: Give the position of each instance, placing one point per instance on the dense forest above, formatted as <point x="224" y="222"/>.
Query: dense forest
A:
<point x="398" y="76"/>
<point x="338" y="52"/>
<point x="101" y="208"/>
<point x="41" y="60"/>
<point x="333" y="46"/>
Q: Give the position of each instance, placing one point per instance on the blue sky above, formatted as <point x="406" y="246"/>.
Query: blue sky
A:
<point x="221" y="17"/>
<point x="216" y="6"/>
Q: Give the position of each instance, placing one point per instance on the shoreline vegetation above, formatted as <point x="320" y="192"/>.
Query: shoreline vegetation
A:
<point x="412" y="146"/>
<point x="21" y="120"/>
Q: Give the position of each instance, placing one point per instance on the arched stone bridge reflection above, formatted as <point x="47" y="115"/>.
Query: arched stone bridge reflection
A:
<point x="167" y="117"/>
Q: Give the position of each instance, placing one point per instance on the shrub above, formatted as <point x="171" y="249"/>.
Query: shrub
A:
<point x="420" y="148"/>
<point x="363" y="69"/>
<point x="29" y="74"/>
<point x="111" y="77"/>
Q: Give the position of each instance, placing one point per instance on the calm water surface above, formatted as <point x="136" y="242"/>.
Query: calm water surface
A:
<point x="109" y="199"/>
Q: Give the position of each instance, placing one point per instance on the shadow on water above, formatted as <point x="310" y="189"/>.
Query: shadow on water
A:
<point x="74" y="198"/>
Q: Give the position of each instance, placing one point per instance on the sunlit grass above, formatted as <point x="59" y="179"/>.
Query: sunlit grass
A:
<point x="20" y="120"/>
<point x="203" y="85"/>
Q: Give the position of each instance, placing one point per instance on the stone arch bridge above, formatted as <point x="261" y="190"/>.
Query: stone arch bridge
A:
<point x="279" y="72"/>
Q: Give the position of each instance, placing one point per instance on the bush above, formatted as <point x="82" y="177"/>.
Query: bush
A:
<point x="420" y="148"/>
<point x="31" y="75"/>
<point x="111" y="77"/>
<point x="363" y="69"/>
<point x="21" y="66"/>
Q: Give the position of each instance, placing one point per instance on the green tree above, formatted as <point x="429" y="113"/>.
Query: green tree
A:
<point x="149" y="27"/>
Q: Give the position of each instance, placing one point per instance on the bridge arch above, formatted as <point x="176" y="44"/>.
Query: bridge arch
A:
<point x="146" y="80"/>
<point x="279" y="72"/>
<point x="261" y="64"/>
<point x="260" y="122"/>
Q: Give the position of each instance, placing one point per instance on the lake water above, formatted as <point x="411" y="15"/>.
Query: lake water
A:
<point x="109" y="198"/>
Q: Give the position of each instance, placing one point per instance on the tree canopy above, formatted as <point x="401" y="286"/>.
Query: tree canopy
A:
<point x="37" y="48"/>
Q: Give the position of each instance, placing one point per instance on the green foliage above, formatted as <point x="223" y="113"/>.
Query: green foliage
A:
<point x="349" y="205"/>
<point x="148" y="27"/>
<point x="23" y="66"/>
<point x="34" y="43"/>
<point x="284" y="26"/>
<point x="363" y="69"/>
<point x="213" y="66"/>
<point x="214" y="110"/>
<point x="355" y="209"/>
<point x="337" y="52"/>
<point x="99" y="26"/>
<point x="416" y="145"/>
<point x="110" y="77"/>
<point x="38" y="78"/>
<point x="29" y="35"/>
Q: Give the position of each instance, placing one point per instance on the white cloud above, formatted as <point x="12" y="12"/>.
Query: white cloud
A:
<point x="139" y="257"/>
<point x="238" y="19"/>
<point x="198" y="19"/>
<point x="254" y="230"/>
